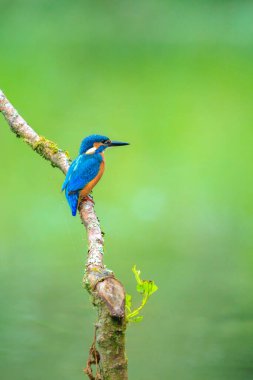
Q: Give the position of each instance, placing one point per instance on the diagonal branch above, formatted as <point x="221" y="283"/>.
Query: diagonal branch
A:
<point x="108" y="293"/>
<point x="39" y="144"/>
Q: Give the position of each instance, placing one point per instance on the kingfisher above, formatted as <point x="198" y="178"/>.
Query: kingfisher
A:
<point x="87" y="169"/>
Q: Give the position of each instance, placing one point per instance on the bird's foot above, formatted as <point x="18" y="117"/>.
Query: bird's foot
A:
<point x="90" y="198"/>
<point x="85" y="199"/>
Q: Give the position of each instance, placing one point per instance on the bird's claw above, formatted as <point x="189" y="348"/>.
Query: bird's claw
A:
<point x="85" y="199"/>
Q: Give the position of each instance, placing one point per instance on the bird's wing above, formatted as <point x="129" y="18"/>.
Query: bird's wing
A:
<point x="85" y="168"/>
<point x="69" y="173"/>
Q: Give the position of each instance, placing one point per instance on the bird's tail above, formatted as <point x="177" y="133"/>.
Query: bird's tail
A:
<point x="72" y="199"/>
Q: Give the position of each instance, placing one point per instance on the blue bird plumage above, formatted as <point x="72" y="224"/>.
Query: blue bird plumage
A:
<point x="86" y="170"/>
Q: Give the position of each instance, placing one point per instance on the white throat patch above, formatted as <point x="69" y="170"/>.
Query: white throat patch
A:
<point x="91" y="150"/>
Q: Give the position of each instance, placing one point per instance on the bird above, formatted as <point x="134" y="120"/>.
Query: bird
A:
<point x="87" y="169"/>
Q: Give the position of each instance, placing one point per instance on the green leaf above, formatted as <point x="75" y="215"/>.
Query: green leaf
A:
<point x="152" y="288"/>
<point x="136" y="319"/>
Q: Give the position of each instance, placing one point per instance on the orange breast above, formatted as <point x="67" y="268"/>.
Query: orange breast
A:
<point x="87" y="189"/>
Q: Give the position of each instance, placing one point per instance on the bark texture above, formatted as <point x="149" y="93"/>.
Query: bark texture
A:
<point x="107" y="292"/>
<point x="111" y="343"/>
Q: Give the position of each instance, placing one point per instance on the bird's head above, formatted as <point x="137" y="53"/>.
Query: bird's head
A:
<point x="97" y="143"/>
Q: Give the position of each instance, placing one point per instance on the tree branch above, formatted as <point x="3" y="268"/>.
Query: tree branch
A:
<point x="39" y="144"/>
<point x="108" y="293"/>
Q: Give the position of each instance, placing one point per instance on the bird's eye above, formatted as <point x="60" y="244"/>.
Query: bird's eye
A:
<point x="106" y="141"/>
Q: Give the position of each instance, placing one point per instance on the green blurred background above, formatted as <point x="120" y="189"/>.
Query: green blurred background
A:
<point x="175" y="79"/>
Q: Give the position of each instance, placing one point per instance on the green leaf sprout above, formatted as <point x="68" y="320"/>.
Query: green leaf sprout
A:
<point x="145" y="288"/>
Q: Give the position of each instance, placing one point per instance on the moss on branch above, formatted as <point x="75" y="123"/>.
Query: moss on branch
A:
<point x="47" y="148"/>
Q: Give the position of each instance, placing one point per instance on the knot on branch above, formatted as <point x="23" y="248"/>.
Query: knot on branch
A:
<point x="103" y="284"/>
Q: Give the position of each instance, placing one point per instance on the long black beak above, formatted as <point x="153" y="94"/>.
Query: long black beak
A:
<point x="117" y="143"/>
